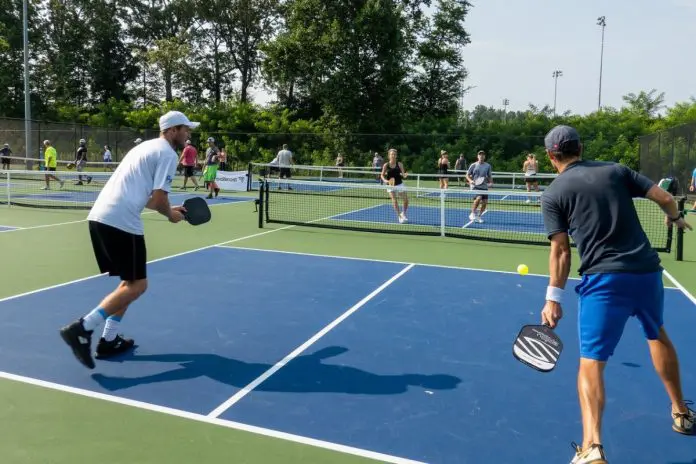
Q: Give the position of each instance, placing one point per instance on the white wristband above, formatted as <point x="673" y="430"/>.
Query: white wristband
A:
<point x="554" y="294"/>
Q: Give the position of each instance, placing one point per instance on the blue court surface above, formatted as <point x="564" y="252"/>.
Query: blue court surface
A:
<point x="512" y="221"/>
<point x="422" y="369"/>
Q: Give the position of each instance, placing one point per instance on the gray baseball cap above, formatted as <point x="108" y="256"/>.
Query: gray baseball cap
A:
<point x="564" y="139"/>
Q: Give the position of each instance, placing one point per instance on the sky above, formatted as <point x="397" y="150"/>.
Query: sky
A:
<point x="516" y="45"/>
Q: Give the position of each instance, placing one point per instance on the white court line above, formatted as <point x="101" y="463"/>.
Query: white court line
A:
<point x="679" y="286"/>
<point x="209" y="420"/>
<point x="472" y="221"/>
<point x="279" y="365"/>
<point x="51" y="287"/>
<point x="375" y="260"/>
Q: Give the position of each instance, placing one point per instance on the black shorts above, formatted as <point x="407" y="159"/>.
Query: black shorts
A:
<point x="51" y="169"/>
<point x="117" y="252"/>
<point x="5" y="160"/>
<point x="188" y="171"/>
<point x="531" y="180"/>
<point x="483" y="196"/>
<point x="285" y="173"/>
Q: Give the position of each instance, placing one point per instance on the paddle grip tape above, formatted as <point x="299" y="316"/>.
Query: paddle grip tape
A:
<point x="554" y="294"/>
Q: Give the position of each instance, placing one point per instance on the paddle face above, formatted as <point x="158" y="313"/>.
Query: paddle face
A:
<point x="479" y="181"/>
<point x="538" y="347"/>
<point x="197" y="211"/>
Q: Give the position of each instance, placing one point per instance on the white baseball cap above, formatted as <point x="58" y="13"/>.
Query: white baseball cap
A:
<point x="176" y="118"/>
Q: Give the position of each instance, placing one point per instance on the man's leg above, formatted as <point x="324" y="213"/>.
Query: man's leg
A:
<point x="602" y="316"/>
<point x="591" y="395"/>
<point x="664" y="355"/>
<point x="666" y="362"/>
<point x="477" y="200"/>
<point x="118" y="253"/>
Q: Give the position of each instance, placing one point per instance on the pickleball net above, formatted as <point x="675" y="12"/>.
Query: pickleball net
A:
<point x="74" y="190"/>
<point x="512" y="216"/>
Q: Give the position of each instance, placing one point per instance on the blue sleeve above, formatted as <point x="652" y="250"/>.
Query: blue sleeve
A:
<point x="554" y="220"/>
<point x="637" y="183"/>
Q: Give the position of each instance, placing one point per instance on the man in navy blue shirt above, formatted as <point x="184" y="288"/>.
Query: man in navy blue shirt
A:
<point x="592" y="201"/>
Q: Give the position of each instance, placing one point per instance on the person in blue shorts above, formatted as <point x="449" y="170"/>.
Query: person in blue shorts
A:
<point x="621" y="275"/>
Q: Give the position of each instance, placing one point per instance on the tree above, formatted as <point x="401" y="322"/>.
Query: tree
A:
<point x="110" y="62"/>
<point x="645" y="103"/>
<point x="158" y="26"/>
<point x="437" y="85"/>
<point x="346" y="59"/>
<point x="64" y="53"/>
<point x="244" y="25"/>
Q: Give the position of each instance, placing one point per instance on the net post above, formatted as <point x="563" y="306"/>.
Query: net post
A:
<point x="249" y="177"/>
<point x="442" y="212"/>
<point x="267" y="188"/>
<point x="7" y="184"/>
<point x="260" y="203"/>
<point x="680" y="233"/>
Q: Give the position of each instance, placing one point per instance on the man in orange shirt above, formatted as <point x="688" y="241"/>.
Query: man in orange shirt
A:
<point x="188" y="161"/>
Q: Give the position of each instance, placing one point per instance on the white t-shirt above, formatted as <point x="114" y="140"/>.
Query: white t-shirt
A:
<point x="285" y="158"/>
<point x="149" y="166"/>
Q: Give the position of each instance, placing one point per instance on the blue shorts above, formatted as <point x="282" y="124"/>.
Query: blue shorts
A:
<point x="606" y="301"/>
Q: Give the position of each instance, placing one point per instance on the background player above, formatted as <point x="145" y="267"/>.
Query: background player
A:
<point x="530" y="169"/>
<point x="442" y="168"/>
<point x="393" y="173"/>
<point x="480" y="177"/>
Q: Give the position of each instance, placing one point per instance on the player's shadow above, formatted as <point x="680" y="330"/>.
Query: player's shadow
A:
<point x="307" y="373"/>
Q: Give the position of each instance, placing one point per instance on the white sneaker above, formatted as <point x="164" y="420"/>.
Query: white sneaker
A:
<point x="44" y="188"/>
<point x="472" y="217"/>
<point x="685" y="423"/>
<point x="592" y="455"/>
<point x="479" y="220"/>
<point x="403" y="218"/>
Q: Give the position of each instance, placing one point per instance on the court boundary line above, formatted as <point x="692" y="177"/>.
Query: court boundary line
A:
<point x="442" y="266"/>
<point x="679" y="286"/>
<point x="337" y="447"/>
<point x="94" y="276"/>
<point x="77" y="221"/>
<point x="237" y="397"/>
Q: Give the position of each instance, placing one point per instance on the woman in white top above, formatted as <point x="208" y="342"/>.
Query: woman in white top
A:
<point x="530" y="169"/>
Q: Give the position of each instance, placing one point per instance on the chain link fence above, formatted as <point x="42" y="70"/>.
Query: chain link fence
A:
<point x="670" y="153"/>
<point x="65" y="137"/>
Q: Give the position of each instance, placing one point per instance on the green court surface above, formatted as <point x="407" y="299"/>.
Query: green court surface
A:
<point x="41" y="424"/>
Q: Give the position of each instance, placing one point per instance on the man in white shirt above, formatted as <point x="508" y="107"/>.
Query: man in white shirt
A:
<point x="285" y="161"/>
<point x="142" y="180"/>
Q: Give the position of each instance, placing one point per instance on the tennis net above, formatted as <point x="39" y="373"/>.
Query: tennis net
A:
<point x="66" y="190"/>
<point x="511" y="216"/>
<point x="368" y="175"/>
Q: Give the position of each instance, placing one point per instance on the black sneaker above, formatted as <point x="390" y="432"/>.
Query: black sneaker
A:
<point x="118" y="345"/>
<point x="80" y="341"/>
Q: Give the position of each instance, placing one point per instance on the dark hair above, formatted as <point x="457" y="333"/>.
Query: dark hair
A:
<point x="568" y="149"/>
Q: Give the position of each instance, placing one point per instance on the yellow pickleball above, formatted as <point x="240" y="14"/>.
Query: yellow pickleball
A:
<point x="522" y="269"/>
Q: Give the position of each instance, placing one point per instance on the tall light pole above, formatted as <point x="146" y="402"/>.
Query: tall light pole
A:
<point x="506" y="102"/>
<point x="27" y="95"/>
<point x="556" y="75"/>
<point x="602" y="22"/>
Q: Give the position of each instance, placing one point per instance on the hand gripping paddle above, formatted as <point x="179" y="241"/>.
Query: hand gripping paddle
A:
<point x="197" y="211"/>
<point x="538" y="347"/>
